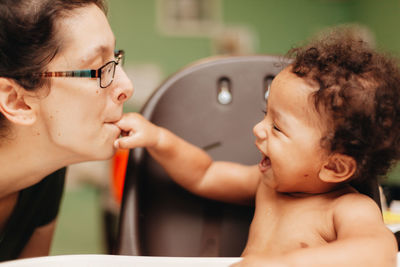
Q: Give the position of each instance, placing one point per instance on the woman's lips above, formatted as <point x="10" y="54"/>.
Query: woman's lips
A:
<point x="264" y="164"/>
<point x="125" y="133"/>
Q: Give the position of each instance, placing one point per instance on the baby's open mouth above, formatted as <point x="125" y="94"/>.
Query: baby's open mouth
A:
<point x="264" y="164"/>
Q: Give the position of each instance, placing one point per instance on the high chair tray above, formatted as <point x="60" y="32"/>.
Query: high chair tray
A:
<point x="120" y="261"/>
<point x="95" y="260"/>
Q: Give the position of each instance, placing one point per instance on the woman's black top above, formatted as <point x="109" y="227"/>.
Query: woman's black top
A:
<point x="37" y="206"/>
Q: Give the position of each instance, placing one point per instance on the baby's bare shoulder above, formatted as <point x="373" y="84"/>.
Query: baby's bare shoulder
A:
<point x="355" y="207"/>
<point x="354" y="200"/>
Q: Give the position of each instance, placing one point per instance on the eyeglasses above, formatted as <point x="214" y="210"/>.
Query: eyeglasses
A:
<point x="105" y="73"/>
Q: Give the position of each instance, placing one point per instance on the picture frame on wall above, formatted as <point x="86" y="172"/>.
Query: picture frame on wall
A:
<point x="188" y="17"/>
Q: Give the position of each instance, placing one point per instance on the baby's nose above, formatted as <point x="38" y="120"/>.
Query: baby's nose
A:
<point x="259" y="131"/>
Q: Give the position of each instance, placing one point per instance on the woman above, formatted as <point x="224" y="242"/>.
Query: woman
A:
<point x="49" y="119"/>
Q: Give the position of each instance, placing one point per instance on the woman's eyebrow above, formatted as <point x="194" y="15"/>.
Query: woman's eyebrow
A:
<point x="100" y="50"/>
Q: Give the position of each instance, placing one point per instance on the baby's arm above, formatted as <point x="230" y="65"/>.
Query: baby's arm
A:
<point x="189" y="165"/>
<point x="362" y="240"/>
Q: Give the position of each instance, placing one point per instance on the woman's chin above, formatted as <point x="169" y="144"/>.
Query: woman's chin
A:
<point x="103" y="152"/>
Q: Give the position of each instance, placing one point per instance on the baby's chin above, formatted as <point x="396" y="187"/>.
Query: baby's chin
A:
<point x="269" y="182"/>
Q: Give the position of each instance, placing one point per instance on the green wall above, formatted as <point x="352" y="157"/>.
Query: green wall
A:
<point x="134" y="25"/>
<point x="283" y="23"/>
<point x="278" y="24"/>
<point x="382" y="17"/>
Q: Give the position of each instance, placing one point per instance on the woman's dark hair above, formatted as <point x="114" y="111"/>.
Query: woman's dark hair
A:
<point x="359" y="89"/>
<point x="28" y="38"/>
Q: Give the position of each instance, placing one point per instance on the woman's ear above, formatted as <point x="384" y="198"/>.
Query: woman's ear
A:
<point x="12" y="103"/>
<point x="338" y="168"/>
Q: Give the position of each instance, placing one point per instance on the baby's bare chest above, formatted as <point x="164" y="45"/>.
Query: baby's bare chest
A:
<point x="281" y="226"/>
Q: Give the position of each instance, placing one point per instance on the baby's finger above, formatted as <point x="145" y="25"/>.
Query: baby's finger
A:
<point x="127" y="142"/>
<point x="128" y="121"/>
<point x="124" y="125"/>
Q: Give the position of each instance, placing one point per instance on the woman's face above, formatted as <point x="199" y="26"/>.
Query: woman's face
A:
<point x="77" y="116"/>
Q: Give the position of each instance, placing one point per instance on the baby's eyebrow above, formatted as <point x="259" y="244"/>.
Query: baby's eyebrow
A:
<point x="278" y="117"/>
<point x="275" y="114"/>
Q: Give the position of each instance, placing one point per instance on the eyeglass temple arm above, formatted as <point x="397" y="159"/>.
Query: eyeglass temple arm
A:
<point x="86" y="73"/>
<point x="73" y="73"/>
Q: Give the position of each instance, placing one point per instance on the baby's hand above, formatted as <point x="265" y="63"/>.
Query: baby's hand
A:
<point x="136" y="131"/>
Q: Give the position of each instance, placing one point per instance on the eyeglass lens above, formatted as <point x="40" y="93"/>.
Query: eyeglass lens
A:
<point x="107" y="74"/>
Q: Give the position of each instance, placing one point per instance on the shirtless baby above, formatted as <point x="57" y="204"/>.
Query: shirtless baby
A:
<point x="332" y="117"/>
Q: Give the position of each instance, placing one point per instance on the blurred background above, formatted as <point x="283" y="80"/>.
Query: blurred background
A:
<point x="162" y="36"/>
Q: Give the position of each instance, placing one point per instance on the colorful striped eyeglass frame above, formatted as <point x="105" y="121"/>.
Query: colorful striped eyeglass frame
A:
<point x="90" y="73"/>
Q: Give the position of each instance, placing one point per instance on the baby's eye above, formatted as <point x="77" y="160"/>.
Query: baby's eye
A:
<point x="264" y="111"/>
<point x="276" y="128"/>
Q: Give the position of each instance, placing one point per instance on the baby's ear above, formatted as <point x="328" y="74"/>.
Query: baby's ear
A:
<point x="12" y="103"/>
<point x="338" y="168"/>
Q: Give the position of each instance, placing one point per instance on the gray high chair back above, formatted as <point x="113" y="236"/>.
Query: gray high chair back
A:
<point x="213" y="104"/>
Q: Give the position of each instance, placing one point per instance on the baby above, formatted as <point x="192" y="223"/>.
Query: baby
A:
<point x="332" y="117"/>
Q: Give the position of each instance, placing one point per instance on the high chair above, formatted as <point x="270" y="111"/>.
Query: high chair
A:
<point x="213" y="104"/>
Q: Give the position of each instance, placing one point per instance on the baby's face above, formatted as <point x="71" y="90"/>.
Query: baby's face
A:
<point x="289" y="137"/>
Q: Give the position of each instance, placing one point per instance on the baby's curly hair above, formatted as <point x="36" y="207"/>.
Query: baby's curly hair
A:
<point x="359" y="89"/>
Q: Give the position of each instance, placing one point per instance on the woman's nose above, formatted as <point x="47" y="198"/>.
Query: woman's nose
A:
<point x="123" y="89"/>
